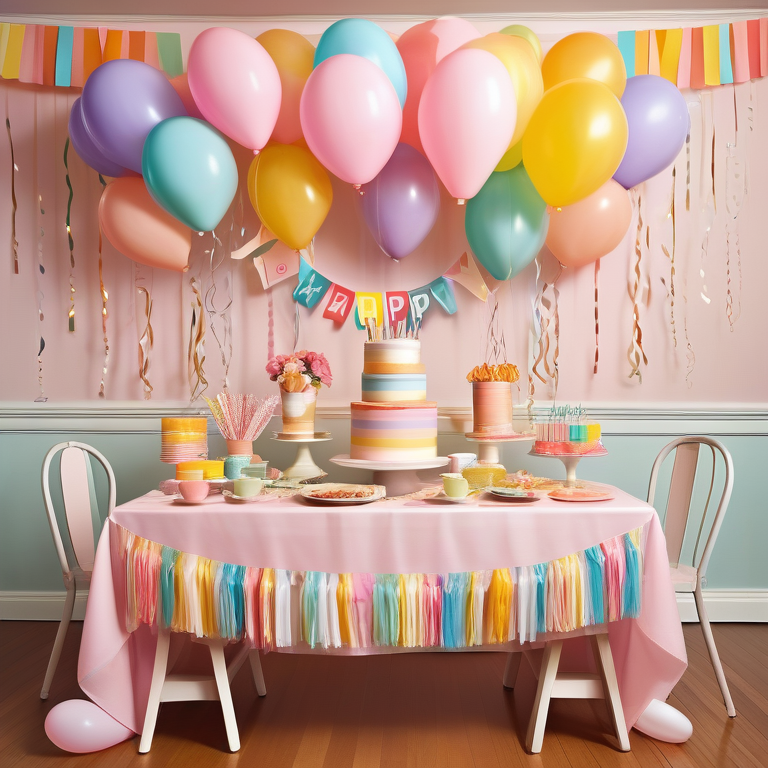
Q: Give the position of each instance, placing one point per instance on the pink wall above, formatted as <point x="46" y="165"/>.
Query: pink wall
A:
<point x="729" y="365"/>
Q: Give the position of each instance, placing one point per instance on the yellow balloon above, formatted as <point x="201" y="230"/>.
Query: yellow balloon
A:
<point x="518" y="30"/>
<point x="575" y="141"/>
<point x="290" y="192"/>
<point x="518" y="58"/>
<point x="294" y="57"/>
<point x="585" y="54"/>
<point x="511" y="158"/>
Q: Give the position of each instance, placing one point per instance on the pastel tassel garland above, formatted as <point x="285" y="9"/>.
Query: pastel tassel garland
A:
<point x="282" y="608"/>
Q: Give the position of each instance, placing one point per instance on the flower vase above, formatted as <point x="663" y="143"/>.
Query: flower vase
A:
<point x="299" y="411"/>
<point x="239" y="447"/>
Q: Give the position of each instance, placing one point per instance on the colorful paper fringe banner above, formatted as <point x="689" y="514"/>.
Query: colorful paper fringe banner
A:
<point x="65" y="56"/>
<point x="278" y="608"/>
<point x="699" y="57"/>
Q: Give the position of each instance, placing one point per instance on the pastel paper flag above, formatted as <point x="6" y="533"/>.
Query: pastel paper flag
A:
<point x="397" y="307"/>
<point x="91" y="52"/>
<point x="27" y="65"/>
<point x="442" y="291"/>
<point x="49" y="55"/>
<point x="136" y="45"/>
<point x="78" y="44"/>
<point x="753" y="33"/>
<point x="711" y="36"/>
<point x="684" y="67"/>
<point x="276" y="265"/>
<point x="670" y="55"/>
<point x="370" y="305"/>
<point x="5" y="31"/>
<point x="763" y="47"/>
<point x="419" y="303"/>
<point x="311" y="289"/>
<point x="726" y="73"/>
<point x="64" y="56"/>
<point x="466" y="273"/>
<point x="641" y="52"/>
<point x="740" y="51"/>
<point x="627" y="50"/>
<point x="340" y="303"/>
<point x="653" y="53"/>
<point x="151" y="55"/>
<point x="113" y="46"/>
<point x="697" y="58"/>
<point x="12" y="58"/>
<point x="169" y="53"/>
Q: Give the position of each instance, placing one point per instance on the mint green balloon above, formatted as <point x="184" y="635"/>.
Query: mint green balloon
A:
<point x="506" y="223"/>
<point x="190" y="171"/>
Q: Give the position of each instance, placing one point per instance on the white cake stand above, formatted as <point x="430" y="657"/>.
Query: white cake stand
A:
<point x="399" y="477"/>
<point x="488" y="447"/>
<point x="303" y="465"/>
<point x="570" y="460"/>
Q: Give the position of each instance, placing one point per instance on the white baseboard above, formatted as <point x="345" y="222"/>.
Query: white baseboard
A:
<point x="734" y="605"/>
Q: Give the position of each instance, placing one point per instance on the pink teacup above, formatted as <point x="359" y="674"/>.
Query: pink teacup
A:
<point x="194" y="490"/>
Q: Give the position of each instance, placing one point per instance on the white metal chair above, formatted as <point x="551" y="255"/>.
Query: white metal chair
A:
<point x="82" y="517"/>
<point x="692" y="577"/>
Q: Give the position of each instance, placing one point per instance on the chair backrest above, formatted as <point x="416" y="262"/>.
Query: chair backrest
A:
<point x="80" y="507"/>
<point x="681" y="493"/>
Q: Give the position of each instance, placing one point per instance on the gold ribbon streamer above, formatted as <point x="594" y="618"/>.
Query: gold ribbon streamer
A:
<point x="40" y="271"/>
<point x="635" y="353"/>
<point x="196" y="350"/>
<point x="735" y="192"/>
<point x="71" y="313"/>
<point x="495" y="345"/>
<point x="14" y="241"/>
<point x="146" y="340"/>
<point x="547" y="301"/>
<point x="597" y="322"/>
<point x="214" y="315"/>
<point x="671" y="259"/>
<point x="104" y="314"/>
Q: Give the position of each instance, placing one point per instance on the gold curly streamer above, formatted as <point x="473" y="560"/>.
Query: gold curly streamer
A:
<point x="671" y="259"/>
<point x="735" y="192"/>
<point x="104" y="313"/>
<point x="635" y="351"/>
<point x="14" y="241"/>
<point x="196" y="351"/>
<point x="146" y="340"/>
<point x="225" y="342"/>
<point x="40" y="271"/>
<point x="495" y="345"/>
<point x="70" y="240"/>
<point x="534" y="336"/>
<point x="549" y="337"/>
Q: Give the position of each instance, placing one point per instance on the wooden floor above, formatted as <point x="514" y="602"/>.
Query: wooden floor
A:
<point x="436" y="710"/>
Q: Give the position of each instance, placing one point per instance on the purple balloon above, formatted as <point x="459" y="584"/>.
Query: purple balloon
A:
<point x="658" y="124"/>
<point x="123" y="100"/>
<point x="84" y="146"/>
<point x="402" y="203"/>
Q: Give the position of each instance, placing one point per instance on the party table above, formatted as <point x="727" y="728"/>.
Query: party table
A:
<point x="395" y="575"/>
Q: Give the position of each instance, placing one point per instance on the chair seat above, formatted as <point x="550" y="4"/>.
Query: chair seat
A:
<point x="684" y="578"/>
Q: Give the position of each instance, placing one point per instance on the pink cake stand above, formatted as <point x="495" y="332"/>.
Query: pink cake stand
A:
<point x="399" y="477"/>
<point x="488" y="447"/>
<point x="570" y="460"/>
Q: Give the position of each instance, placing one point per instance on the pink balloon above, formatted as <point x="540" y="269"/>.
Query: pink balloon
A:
<point x="80" y="726"/>
<point x="351" y="117"/>
<point x="421" y="48"/>
<point x="467" y="118"/>
<point x="235" y="84"/>
<point x="591" y="228"/>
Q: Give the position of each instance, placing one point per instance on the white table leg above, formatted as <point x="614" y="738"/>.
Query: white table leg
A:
<point x="155" y="689"/>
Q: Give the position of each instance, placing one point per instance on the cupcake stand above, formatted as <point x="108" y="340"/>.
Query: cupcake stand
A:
<point x="570" y="460"/>
<point x="488" y="447"/>
<point x="303" y="466"/>
<point x="399" y="477"/>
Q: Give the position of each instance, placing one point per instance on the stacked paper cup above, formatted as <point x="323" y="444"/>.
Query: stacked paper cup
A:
<point x="183" y="440"/>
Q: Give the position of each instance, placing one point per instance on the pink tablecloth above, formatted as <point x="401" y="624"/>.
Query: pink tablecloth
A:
<point x="391" y="536"/>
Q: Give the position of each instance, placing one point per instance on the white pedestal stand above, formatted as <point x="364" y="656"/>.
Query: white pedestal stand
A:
<point x="399" y="478"/>
<point x="488" y="447"/>
<point x="570" y="461"/>
<point x="303" y="465"/>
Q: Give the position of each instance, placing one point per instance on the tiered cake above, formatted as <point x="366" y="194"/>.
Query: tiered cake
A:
<point x="394" y="422"/>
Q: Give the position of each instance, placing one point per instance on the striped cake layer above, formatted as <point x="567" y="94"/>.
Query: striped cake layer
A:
<point x="396" y="387"/>
<point x="389" y="368"/>
<point x="393" y="351"/>
<point x="393" y="431"/>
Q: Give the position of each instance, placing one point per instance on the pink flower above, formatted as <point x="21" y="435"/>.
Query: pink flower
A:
<point x="273" y="367"/>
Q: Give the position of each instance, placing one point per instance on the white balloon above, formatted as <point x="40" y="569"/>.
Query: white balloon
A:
<point x="78" y="725"/>
<point x="665" y="723"/>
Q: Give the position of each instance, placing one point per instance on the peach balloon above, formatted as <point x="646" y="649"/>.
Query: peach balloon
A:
<point x="294" y="58"/>
<point x="520" y="61"/>
<point x="422" y="47"/>
<point x="585" y="54"/>
<point x="181" y="86"/>
<point x="140" y="229"/>
<point x="591" y="228"/>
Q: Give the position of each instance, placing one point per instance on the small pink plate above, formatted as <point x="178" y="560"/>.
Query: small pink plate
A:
<point x="579" y="494"/>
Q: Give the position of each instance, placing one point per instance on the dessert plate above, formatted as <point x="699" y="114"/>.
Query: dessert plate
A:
<point x="580" y="494"/>
<point x="232" y="499"/>
<point x="342" y="493"/>
<point x="471" y="496"/>
<point x="513" y="495"/>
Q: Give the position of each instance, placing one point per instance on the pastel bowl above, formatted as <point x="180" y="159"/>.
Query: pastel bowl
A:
<point x="194" y="490"/>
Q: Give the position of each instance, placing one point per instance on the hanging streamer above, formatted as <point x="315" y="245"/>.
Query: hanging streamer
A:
<point x="706" y="187"/>
<point x="735" y="192"/>
<point x="146" y="338"/>
<point x="547" y="311"/>
<point x="196" y="350"/>
<point x="70" y="240"/>
<point x="635" y="353"/>
<point x="40" y="271"/>
<point x="597" y="323"/>
<point x="104" y="313"/>
<point x="14" y="168"/>
<point x="671" y="258"/>
<point x="220" y="320"/>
